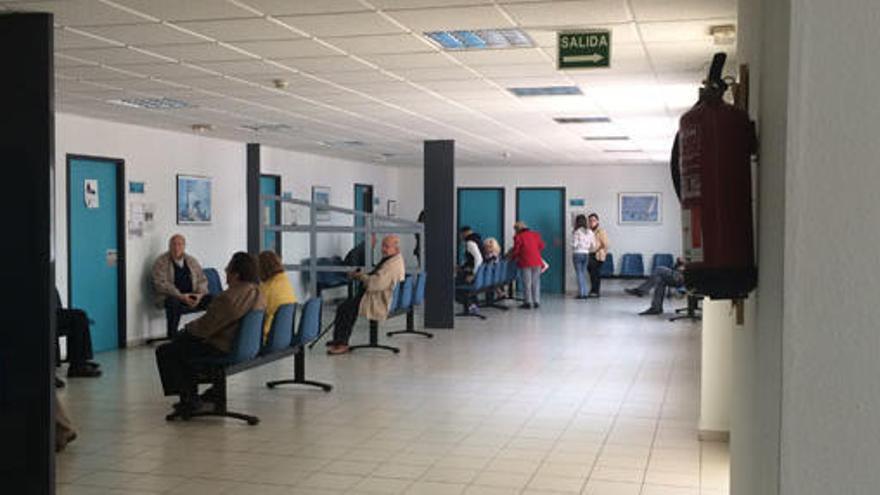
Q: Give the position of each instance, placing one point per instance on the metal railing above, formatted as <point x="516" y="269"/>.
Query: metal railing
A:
<point x="372" y="224"/>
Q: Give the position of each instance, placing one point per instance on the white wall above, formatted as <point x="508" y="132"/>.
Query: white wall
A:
<point x="155" y="157"/>
<point x="598" y="185"/>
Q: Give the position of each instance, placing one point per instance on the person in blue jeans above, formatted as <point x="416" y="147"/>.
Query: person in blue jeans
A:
<point x="583" y="241"/>
<point x="662" y="278"/>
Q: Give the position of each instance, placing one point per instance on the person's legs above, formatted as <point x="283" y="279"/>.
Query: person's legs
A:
<point x="346" y="316"/>
<point x="593" y="267"/>
<point x="174" y="360"/>
<point x="580" y="269"/>
<point x="536" y="286"/>
<point x="662" y="278"/>
<point x="527" y="285"/>
<point x="173" y="310"/>
<point x="64" y="430"/>
<point x="74" y="323"/>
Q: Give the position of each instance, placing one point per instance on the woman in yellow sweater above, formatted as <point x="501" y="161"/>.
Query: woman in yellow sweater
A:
<point x="275" y="286"/>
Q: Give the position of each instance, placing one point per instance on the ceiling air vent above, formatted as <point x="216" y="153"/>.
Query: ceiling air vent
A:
<point x="546" y="91"/>
<point x="481" y="39"/>
<point x="266" y="127"/>
<point x="343" y="144"/>
<point x="582" y="120"/>
<point x="152" y="103"/>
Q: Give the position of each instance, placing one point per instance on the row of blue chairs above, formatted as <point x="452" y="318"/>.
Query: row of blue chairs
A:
<point x="487" y="278"/>
<point x="249" y="351"/>
<point x="633" y="266"/>
<point x="407" y="295"/>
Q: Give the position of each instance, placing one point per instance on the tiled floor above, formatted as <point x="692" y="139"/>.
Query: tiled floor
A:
<point x="578" y="397"/>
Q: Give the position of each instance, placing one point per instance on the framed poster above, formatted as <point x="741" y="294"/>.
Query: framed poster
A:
<point x="391" y="208"/>
<point x="193" y="200"/>
<point x="639" y="208"/>
<point x="320" y="197"/>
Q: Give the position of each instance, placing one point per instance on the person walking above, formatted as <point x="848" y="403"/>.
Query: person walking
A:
<point x="527" y="247"/>
<point x="583" y="241"/>
<point x="597" y="254"/>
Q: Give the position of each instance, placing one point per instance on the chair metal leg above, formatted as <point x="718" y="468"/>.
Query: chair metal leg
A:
<point x="410" y="327"/>
<point x="374" y="340"/>
<point x="299" y="375"/>
<point x="220" y="406"/>
<point x="321" y="335"/>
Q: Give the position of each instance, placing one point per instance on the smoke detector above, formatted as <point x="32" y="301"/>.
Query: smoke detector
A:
<point x="723" y="34"/>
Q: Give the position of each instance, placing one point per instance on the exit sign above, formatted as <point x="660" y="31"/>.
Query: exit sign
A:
<point x="584" y="49"/>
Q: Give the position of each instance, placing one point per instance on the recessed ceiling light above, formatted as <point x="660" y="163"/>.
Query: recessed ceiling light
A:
<point x="582" y="120"/>
<point x="480" y="39"/>
<point x="606" y="138"/>
<point x="724" y="34"/>
<point x="546" y="91"/>
<point x="151" y="103"/>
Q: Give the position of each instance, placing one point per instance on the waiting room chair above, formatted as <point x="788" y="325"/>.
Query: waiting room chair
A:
<point x="632" y="266"/>
<point x="281" y="332"/>
<point x="607" y="268"/>
<point x="662" y="259"/>
<point x="309" y="330"/>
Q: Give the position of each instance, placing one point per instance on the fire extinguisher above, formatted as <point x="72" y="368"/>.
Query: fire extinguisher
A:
<point x="712" y="156"/>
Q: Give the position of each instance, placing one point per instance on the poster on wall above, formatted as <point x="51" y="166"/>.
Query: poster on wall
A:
<point x="193" y="200"/>
<point x="90" y="193"/>
<point x="321" y="196"/>
<point x="639" y="209"/>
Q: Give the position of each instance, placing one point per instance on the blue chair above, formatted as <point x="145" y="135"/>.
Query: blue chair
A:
<point x="419" y="296"/>
<point x="662" y="259"/>
<point x="215" y="370"/>
<point x="416" y="297"/>
<point x="406" y="294"/>
<point x="477" y="285"/>
<point x="397" y="299"/>
<point x="607" y="268"/>
<point x="214" y="285"/>
<point x="632" y="266"/>
<point x="281" y="332"/>
<point x="500" y="271"/>
<point x="309" y="329"/>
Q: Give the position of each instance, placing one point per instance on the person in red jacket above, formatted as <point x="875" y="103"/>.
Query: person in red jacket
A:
<point x="527" y="247"/>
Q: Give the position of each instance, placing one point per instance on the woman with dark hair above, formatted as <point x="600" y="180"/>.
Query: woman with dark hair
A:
<point x="212" y="334"/>
<point x="275" y="285"/>
<point x="582" y="242"/>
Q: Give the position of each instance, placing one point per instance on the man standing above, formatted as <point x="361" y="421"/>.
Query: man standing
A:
<point x="597" y="256"/>
<point x="473" y="258"/>
<point x="374" y="301"/>
<point x="662" y="278"/>
<point x="527" y="247"/>
<point x="179" y="283"/>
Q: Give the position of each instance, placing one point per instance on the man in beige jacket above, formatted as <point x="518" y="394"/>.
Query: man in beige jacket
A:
<point x="597" y="256"/>
<point x="375" y="300"/>
<point x="179" y="284"/>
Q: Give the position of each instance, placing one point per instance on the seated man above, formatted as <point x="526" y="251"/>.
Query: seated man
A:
<point x="661" y="278"/>
<point x="374" y="300"/>
<point x="74" y="324"/>
<point x="179" y="283"/>
<point x="212" y="334"/>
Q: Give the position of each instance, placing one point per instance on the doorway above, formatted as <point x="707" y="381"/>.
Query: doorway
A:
<point x="543" y="210"/>
<point x="482" y="209"/>
<point x="270" y="212"/>
<point x="96" y="246"/>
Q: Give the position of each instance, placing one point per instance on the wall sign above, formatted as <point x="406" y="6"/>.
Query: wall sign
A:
<point x="583" y="49"/>
<point x="90" y="193"/>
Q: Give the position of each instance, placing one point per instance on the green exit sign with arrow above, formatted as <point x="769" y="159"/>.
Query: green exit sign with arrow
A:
<point x="584" y="49"/>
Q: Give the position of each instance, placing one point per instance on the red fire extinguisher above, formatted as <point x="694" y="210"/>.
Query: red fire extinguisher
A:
<point x="715" y="144"/>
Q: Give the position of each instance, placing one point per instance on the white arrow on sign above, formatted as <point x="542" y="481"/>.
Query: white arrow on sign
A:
<point x="583" y="58"/>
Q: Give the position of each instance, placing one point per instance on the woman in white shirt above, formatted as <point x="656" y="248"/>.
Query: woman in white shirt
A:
<point x="583" y="241"/>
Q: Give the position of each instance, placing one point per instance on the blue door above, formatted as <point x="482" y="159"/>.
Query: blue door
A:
<point x="271" y="212"/>
<point x="363" y="201"/>
<point x="482" y="209"/>
<point x="94" y="251"/>
<point x="543" y="210"/>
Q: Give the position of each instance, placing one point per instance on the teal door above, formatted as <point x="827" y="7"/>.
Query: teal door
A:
<point x="363" y="201"/>
<point x="543" y="210"/>
<point x="482" y="209"/>
<point x="95" y="258"/>
<point x="271" y="212"/>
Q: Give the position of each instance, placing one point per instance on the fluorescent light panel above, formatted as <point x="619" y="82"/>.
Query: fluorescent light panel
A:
<point x="151" y="103"/>
<point x="480" y="39"/>
<point x="546" y="91"/>
<point x="606" y="138"/>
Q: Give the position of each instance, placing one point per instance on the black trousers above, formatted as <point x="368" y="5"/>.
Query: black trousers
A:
<point x="174" y="361"/>
<point x="346" y="316"/>
<point x="174" y="309"/>
<point x="74" y="324"/>
<point x="593" y="267"/>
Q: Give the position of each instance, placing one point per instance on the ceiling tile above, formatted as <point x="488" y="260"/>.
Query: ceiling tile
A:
<point x="620" y="34"/>
<point x="142" y="34"/>
<point x="410" y="60"/>
<point x="113" y="56"/>
<point x="92" y="73"/>
<point x="679" y="31"/>
<point x="343" y="24"/>
<point x="322" y="65"/>
<point x="166" y="70"/>
<point x="422" y="20"/>
<point x="68" y="40"/>
<point x="418" y="4"/>
<point x="301" y="7"/>
<point x="516" y="56"/>
<point x="381" y="44"/>
<point x="242" y="67"/>
<point x="569" y="15"/>
<point x="676" y="10"/>
<point x="198" y="52"/>
<point x="278" y="49"/>
<point x="80" y="12"/>
<point x="177" y="10"/>
<point x="240" y="30"/>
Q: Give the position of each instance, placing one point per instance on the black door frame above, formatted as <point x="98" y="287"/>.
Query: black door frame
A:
<point x="278" y="188"/>
<point x="122" y="292"/>
<point x="561" y="224"/>
<point x="503" y="212"/>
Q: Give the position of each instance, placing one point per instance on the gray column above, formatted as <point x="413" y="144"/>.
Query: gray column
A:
<point x="252" y="182"/>
<point x="27" y="336"/>
<point x="439" y="242"/>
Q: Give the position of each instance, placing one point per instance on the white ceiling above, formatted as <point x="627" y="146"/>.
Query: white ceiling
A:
<point x="361" y="70"/>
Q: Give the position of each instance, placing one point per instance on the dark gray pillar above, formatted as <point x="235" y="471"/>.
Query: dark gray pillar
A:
<point x="27" y="336"/>
<point x="439" y="245"/>
<point x="253" y="198"/>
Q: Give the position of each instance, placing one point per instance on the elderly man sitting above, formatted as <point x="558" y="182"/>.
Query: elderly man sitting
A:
<point x="374" y="301"/>
<point x="179" y="283"/>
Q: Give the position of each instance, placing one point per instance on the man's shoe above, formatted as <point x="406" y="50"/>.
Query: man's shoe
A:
<point x="92" y="364"/>
<point x="634" y="292"/>
<point x="651" y="311"/>
<point x="473" y="309"/>
<point x="83" y="371"/>
<point x="536" y="305"/>
<point x="525" y="306"/>
<point x="337" y="350"/>
<point x="593" y="295"/>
